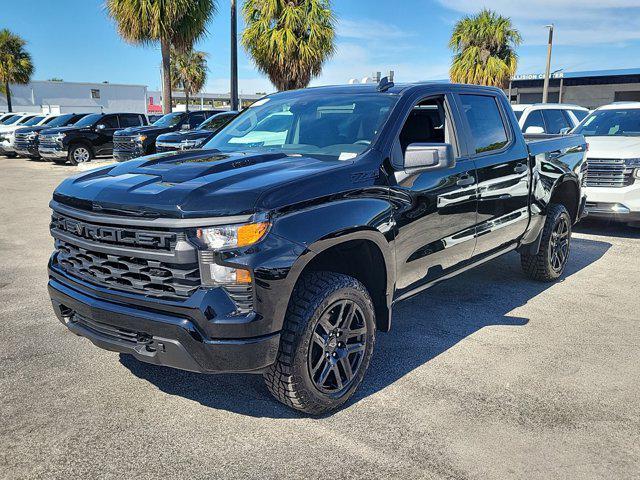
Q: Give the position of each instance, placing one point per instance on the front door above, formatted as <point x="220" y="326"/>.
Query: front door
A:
<point x="435" y="210"/>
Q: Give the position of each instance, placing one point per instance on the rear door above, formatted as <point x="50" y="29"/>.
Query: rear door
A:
<point x="502" y="164"/>
<point x="104" y="144"/>
<point x="436" y="209"/>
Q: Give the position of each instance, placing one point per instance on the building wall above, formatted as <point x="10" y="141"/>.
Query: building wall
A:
<point x="77" y="97"/>
<point x="590" y="96"/>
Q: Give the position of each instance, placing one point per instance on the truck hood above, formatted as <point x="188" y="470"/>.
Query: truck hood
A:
<point x="180" y="136"/>
<point x="613" y="147"/>
<point x="71" y="128"/>
<point x="196" y="183"/>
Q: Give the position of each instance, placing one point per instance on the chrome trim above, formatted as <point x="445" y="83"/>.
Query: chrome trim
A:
<point x="144" y="222"/>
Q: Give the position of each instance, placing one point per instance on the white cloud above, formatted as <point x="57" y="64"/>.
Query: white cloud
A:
<point x="587" y="22"/>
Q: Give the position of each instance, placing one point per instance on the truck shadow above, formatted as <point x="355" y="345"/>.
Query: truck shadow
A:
<point x="423" y="328"/>
<point x="607" y="228"/>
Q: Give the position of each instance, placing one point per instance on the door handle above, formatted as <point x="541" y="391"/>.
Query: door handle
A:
<point x="521" y="168"/>
<point x="466" y="181"/>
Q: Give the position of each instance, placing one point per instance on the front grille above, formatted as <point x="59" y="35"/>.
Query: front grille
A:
<point x="125" y="144"/>
<point x="167" y="147"/>
<point x="130" y="259"/>
<point x="23" y="143"/>
<point x="48" y="142"/>
<point x="605" y="172"/>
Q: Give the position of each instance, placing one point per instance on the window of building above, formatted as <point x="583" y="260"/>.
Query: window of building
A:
<point x="95" y="93"/>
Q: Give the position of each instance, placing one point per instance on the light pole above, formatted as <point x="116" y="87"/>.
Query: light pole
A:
<point x="545" y="89"/>
<point x="234" y="57"/>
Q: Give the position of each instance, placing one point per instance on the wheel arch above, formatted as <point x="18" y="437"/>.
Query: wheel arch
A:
<point x="567" y="192"/>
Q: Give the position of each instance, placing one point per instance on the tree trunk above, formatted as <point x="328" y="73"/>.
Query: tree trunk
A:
<point x="186" y="94"/>
<point x="8" y="90"/>
<point x="166" y="76"/>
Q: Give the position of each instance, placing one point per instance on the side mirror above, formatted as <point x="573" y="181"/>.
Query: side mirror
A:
<point x="428" y="156"/>
<point x="565" y="130"/>
<point x="533" y="130"/>
<point x="186" y="126"/>
<point x="101" y="126"/>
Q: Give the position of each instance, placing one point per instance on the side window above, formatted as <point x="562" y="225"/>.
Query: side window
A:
<point x="129" y="120"/>
<point x="555" y="121"/>
<point x="110" y="121"/>
<point x="425" y="124"/>
<point x="196" y="119"/>
<point x="534" y="119"/>
<point x="580" y="114"/>
<point x="485" y="121"/>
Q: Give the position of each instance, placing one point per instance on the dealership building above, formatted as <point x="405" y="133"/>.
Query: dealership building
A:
<point x="589" y="89"/>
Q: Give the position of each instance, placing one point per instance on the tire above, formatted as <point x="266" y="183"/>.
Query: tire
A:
<point x="323" y="302"/>
<point x="10" y="154"/>
<point x="79" y="153"/>
<point x="549" y="263"/>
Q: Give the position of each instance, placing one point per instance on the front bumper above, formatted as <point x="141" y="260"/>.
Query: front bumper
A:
<point x="124" y="155"/>
<point x="157" y="335"/>
<point x="622" y="204"/>
<point x="52" y="153"/>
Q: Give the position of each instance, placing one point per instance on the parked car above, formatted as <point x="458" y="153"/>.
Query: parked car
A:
<point x="613" y="162"/>
<point x="6" y="116"/>
<point x="8" y="130"/>
<point x="550" y="118"/>
<point x="27" y="138"/>
<point x="88" y="138"/>
<point x="194" y="138"/>
<point x="287" y="259"/>
<point x="138" y="141"/>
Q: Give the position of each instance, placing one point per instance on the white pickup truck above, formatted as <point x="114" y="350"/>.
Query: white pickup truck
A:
<point x="613" y="162"/>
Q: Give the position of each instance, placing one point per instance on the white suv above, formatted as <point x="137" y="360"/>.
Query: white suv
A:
<point x="8" y="131"/>
<point x="552" y="118"/>
<point x="613" y="161"/>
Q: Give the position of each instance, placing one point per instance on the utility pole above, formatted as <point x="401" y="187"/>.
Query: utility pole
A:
<point x="234" y="57"/>
<point x="545" y="90"/>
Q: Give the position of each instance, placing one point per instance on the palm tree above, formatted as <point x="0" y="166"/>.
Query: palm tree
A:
<point x="188" y="71"/>
<point x="484" y="49"/>
<point x="15" y="63"/>
<point x="177" y="23"/>
<point x="289" y="40"/>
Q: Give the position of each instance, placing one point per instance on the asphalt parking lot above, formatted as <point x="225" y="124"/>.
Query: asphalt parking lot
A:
<point x="488" y="376"/>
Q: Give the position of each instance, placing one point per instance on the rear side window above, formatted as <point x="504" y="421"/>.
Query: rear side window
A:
<point x="485" y="121"/>
<point x="534" y="119"/>
<point x="129" y="120"/>
<point x="110" y="121"/>
<point x="555" y="121"/>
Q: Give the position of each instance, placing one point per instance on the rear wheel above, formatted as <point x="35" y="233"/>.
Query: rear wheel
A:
<point x="550" y="261"/>
<point x="79" y="154"/>
<point x="326" y="344"/>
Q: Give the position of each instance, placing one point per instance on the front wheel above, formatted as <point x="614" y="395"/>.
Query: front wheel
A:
<point x="79" y="154"/>
<point x="550" y="261"/>
<point x="326" y="344"/>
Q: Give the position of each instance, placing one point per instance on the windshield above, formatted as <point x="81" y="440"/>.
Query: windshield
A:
<point x="610" y="123"/>
<point x="169" y="120"/>
<point x="33" y="121"/>
<point x="60" y="121"/>
<point x="88" y="120"/>
<point x="11" y="120"/>
<point x="340" y="126"/>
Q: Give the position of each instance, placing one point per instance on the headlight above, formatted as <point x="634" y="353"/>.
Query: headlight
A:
<point x="58" y="137"/>
<point x="141" y="138"/>
<point x="187" y="144"/>
<point x="232" y="236"/>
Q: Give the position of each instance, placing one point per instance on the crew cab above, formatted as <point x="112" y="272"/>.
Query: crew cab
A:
<point x="26" y="138"/>
<point x="138" y="141"/>
<point x="194" y="138"/>
<point x="287" y="259"/>
<point x="551" y="118"/>
<point x="8" y="130"/>
<point x="90" y="137"/>
<point x="613" y="162"/>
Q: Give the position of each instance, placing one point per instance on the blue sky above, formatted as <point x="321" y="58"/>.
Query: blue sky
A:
<point x="75" y="40"/>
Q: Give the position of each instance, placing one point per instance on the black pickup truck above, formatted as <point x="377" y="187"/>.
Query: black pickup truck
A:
<point x="139" y="141"/>
<point x="283" y="251"/>
<point x="89" y="137"/>
<point x="196" y="138"/>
